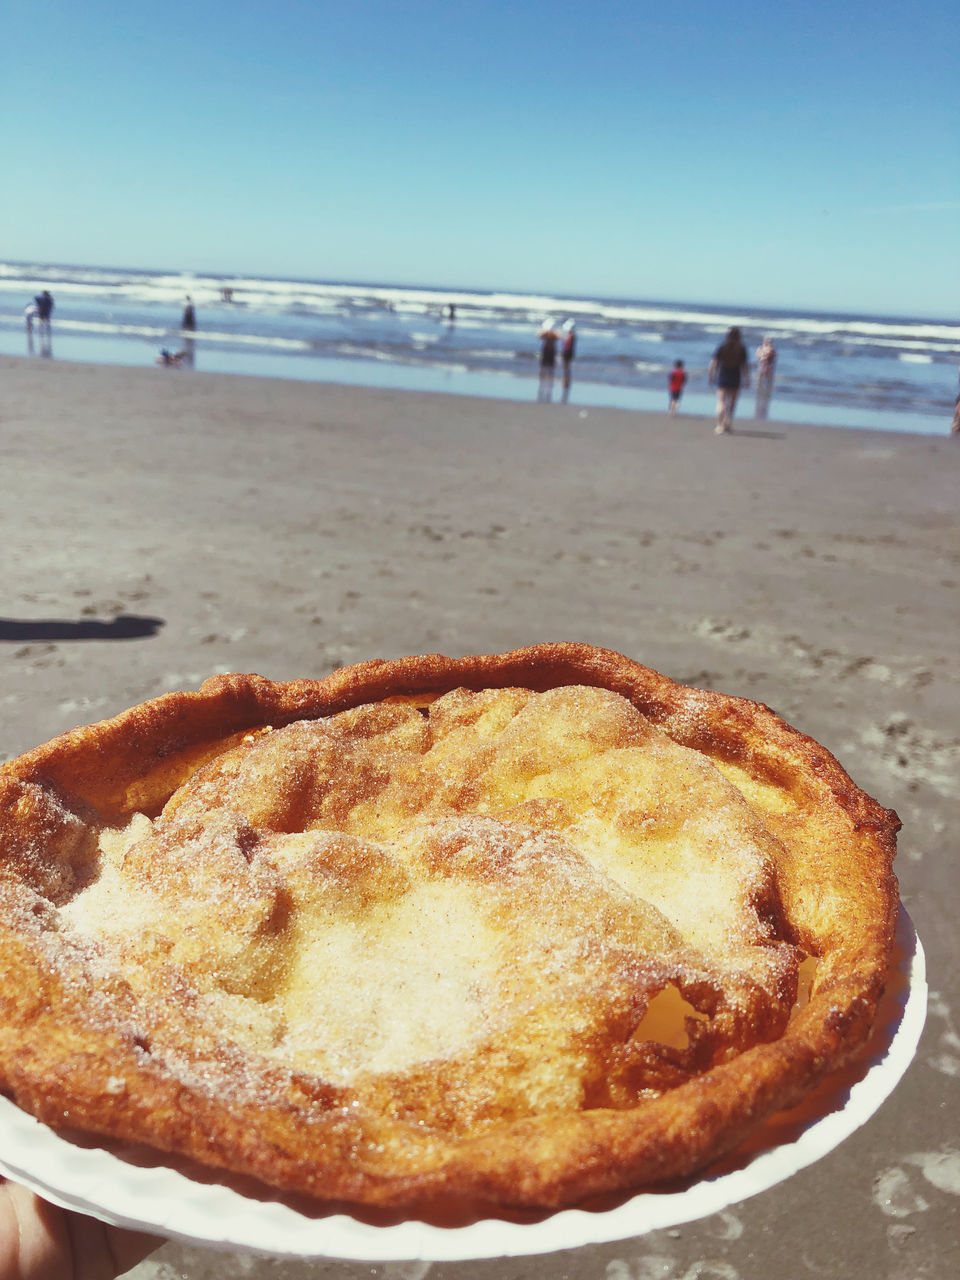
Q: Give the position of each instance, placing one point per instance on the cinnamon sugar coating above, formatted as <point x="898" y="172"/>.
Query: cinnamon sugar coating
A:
<point x="517" y="928"/>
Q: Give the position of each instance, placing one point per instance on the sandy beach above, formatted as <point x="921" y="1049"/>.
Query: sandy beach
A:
<point x="162" y="526"/>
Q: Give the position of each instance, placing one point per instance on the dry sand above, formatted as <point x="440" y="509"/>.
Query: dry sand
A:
<point x="161" y="526"/>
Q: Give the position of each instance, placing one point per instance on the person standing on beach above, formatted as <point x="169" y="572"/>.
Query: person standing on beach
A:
<point x="729" y="371"/>
<point x="568" y="349"/>
<point x="39" y="312"/>
<point x="44" y="303"/>
<point x="188" y="324"/>
<point x="548" y="360"/>
<point x="678" y="380"/>
<point x="766" y="362"/>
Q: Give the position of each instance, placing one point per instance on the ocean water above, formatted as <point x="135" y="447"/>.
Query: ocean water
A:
<point x="844" y="370"/>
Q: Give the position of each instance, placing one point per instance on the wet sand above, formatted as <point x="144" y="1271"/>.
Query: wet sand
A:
<point x="160" y="526"/>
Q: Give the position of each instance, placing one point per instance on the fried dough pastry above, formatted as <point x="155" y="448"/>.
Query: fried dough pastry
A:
<point x="516" y="929"/>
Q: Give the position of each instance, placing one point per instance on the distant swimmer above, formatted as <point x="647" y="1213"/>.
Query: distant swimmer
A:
<point x="729" y="371"/>
<point x="678" y="380"/>
<point x="568" y="349"/>
<point x="189" y="320"/>
<point x="548" y="359"/>
<point x="766" y="363"/>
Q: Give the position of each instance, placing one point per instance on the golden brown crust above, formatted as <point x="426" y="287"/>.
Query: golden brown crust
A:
<point x="89" y="1044"/>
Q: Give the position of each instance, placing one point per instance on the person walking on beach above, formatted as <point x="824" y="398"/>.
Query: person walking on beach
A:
<point x="729" y="371"/>
<point x="568" y="349"/>
<point x="548" y="360"/>
<point x="189" y="320"/>
<point x="678" y="380"/>
<point x="766" y="362"/>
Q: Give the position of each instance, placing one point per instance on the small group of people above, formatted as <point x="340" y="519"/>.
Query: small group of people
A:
<point x="39" y="313"/>
<point x="552" y="338"/>
<point x="730" y="372"/>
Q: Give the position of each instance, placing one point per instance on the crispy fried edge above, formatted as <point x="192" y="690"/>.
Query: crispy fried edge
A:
<point x="136" y="759"/>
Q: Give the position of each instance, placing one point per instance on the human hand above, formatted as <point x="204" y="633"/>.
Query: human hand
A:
<point x="41" y="1242"/>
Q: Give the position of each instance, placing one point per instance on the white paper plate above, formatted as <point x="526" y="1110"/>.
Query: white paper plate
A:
<point x="130" y="1187"/>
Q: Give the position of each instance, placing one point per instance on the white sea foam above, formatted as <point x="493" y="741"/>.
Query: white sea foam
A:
<point x="906" y="344"/>
<point x="106" y="329"/>
<point x="494" y="353"/>
<point x="169" y="288"/>
<point x="125" y="330"/>
<point x="366" y="353"/>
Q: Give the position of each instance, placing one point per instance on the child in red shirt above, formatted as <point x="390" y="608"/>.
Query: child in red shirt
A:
<point x="678" y="380"/>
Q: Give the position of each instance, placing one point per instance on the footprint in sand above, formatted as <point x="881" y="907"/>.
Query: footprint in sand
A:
<point x="915" y="755"/>
<point x="900" y="1192"/>
<point x="661" y="1266"/>
<point x="947" y="1058"/>
<point x="718" y="629"/>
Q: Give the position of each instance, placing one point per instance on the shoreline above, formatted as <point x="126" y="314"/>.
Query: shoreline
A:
<point x="160" y="528"/>
<point x="744" y="423"/>
<point x="457" y="379"/>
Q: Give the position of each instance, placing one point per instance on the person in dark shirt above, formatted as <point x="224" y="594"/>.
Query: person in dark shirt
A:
<point x="189" y="320"/>
<point x="568" y="349"/>
<point x="44" y="303"/>
<point x="548" y="359"/>
<point x="729" y="372"/>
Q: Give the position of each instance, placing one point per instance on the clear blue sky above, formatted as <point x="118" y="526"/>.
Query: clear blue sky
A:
<point x="803" y="155"/>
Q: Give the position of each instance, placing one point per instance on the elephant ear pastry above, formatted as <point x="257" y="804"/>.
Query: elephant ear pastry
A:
<point x="516" y="928"/>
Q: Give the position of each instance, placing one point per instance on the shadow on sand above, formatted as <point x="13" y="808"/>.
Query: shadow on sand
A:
<point x="124" y="627"/>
